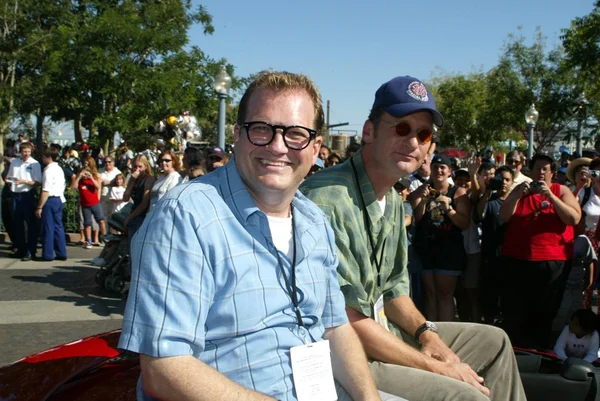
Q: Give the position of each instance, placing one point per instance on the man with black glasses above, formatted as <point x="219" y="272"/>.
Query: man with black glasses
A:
<point x="237" y="297"/>
<point x="410" y="356"/>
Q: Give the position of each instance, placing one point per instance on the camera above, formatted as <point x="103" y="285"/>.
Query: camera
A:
<point x="495" y="184"/>
<point x="594" y="173"/>
<point x="535" y="187"/>
<point x="433" y="193"/>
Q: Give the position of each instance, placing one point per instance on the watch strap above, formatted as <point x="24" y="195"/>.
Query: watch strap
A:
<point x="423" y="328"/>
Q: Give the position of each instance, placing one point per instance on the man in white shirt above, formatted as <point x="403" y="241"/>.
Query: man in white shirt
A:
<point x="24" y="175"/>
<point x="514" y="160"/>
<point x="50" y="209"/>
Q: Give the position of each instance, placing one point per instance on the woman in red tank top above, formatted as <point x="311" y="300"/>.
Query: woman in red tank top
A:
<point x="538" y="247"/>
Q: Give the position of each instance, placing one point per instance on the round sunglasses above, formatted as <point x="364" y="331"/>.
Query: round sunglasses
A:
<point x="404" y="129"/>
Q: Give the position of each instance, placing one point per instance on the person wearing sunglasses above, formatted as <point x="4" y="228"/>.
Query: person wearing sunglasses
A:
<point x="168" y="164"/>
<point x="514" y="160"/>
<point x="410" y="356"/>
<point x="107" y="177"/>
<point x="234" y="272"/>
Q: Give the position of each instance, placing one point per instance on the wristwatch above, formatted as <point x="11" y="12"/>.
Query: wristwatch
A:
<point x="425" y="327"/>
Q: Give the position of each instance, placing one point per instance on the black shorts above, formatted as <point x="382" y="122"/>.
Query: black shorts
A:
<point x="446" y="257"/>
<point x="88" y="211"/>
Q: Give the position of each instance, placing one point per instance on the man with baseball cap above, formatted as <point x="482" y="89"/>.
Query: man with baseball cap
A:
<point x="409" y="356"/>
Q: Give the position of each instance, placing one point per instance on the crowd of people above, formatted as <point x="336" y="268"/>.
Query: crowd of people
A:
<point x="37" y="181"/>
<point x="291" y="271"/>
<point x="515" y="241"/>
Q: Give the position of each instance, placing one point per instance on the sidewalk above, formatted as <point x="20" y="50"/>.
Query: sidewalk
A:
<point x="43" y="304"/>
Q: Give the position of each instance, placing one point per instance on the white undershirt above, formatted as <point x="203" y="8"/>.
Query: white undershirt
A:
<point x="382" y="205"/>
<point x="281" y="232"/>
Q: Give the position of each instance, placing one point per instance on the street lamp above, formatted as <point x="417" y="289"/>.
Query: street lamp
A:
<point x="581" y="106"/>
<point x="222" y="86"/>
<point x="531" y="117"/>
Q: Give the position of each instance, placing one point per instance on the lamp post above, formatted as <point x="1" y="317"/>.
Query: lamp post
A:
<point x="222" y="86"/>
<point x="581" y="108"/>
<point x="531" y="117"/>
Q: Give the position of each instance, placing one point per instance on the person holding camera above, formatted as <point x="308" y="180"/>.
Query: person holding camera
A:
<point x="538" y="247"/>
<point x="89" y="185"/>
<point x="442" y="213"/>
<point x="492" y="237"/>
<point x="578" y="174"/>
<point x="589" y="200"/>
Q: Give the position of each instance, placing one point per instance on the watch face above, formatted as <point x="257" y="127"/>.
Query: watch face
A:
<point x="431" y="326"/>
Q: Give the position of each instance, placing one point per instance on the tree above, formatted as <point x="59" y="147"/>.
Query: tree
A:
<point x="108" y="65"/>
<point x="465" y="103"/>
<point x="486" y="108"/>
<point x="542" y="77"/>
<point x="582" y="47"/>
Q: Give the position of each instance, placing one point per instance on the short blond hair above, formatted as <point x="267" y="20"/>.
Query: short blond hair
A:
<point x="281" y="81"/>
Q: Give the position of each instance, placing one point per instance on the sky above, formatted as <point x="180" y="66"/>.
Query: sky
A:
<point x="349" y="48"/>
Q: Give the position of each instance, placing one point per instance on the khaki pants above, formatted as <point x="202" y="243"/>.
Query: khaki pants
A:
<point x="486" y="349"/>
<point x="343" y="395"/>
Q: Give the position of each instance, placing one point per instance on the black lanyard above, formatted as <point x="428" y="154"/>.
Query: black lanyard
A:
<point x="368" y="226"/>
<point x="291" y="289"/>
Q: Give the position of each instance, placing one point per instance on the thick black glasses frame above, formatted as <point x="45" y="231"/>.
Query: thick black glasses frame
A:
<point x="284" y="130"/>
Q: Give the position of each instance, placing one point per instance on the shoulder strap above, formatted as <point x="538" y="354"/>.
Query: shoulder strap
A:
<point x="586" y="195"/>
<point x="418" y="177"/>
<point x="452" y="192"/>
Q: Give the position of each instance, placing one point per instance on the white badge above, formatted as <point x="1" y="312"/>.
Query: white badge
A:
<point x="312" y="372"/>
<point x="379" y="313"/>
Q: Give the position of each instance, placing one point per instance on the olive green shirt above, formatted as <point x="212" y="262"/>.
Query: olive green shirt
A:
<point x="335" y="190"/>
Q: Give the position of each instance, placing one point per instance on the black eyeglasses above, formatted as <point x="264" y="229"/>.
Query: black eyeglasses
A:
<point x="165" y="160"/>
<point x="295" y="137"/>
<point x="404" y="129"/>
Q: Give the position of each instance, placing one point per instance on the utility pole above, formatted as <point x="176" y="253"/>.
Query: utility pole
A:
<point x="326" y="139"/>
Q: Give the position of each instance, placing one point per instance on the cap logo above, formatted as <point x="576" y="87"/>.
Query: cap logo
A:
<point x="418" y="91"/>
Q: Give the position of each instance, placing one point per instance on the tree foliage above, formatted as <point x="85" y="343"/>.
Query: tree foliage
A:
<point x="486" y="108"/>
<point x="582" y="47"/>
<point x="111" y="66"/>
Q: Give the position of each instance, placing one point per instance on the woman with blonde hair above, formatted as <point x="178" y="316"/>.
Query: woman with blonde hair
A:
<point x="138" y="189"/>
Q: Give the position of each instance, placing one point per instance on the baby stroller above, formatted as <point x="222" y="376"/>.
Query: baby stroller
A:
<point x="114" y="275"/>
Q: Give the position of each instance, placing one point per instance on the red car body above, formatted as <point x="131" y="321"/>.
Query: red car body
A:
<point x="89" y="369"/>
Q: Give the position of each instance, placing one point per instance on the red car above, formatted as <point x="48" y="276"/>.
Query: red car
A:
<point x="89" y="369"/>
<point x="93" y="369"/>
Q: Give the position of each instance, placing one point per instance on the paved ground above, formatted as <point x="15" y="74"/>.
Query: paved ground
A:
<point x="43" y="304"/>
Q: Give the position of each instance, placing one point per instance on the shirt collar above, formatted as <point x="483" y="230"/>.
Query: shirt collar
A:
<point x="235" y="193"/>
<point x="368" y="192"/>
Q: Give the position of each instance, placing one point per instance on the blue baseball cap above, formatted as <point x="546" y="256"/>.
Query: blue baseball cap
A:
<point x="406" y="95"/>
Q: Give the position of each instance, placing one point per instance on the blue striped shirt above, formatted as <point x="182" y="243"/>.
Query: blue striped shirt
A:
<point x="206" y="282"/>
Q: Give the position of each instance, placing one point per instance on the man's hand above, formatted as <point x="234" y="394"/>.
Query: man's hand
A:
<point x="521" y="189"/>
<point x="545" y="190"/>
<point x="433" y="346"/>
<point x="444" y="202"/>
<point x="38" y="213"/>
<point x="474" y="166"/>
<point x="464" y="373"/>
<point x="422" y="191"/>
